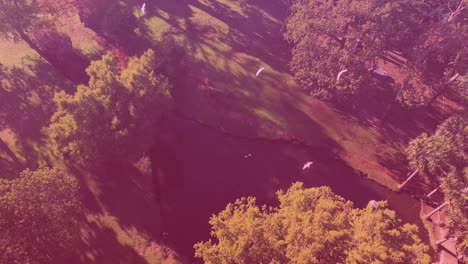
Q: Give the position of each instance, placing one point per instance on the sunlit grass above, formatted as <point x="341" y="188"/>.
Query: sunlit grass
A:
<point x="12" y="54"/>
<point x="264" y="114"/>
<point x="157" y="28"/>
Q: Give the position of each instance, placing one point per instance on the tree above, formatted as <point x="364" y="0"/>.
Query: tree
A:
<point x="20" y="18"/>
<point x="310" y="226"/>
<point x="434" y="155"/>
<point x="439" y="58"/>
<point x="378" y="237"/>
<point x="430" y="155"/>
<point x="39" y="214"/>
<point x="114" y="115"/>
<point x="330" y="36"/>
<point x="444" y="157"/>
<point x="456" y="192"/>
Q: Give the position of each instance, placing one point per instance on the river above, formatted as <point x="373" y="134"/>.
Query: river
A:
<point x="200" y="170"/>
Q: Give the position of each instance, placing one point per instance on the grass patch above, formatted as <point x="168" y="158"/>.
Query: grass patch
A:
<point x="13" y="54"/>
<point x="228" y="48"/>
<point x="264" y="114"/>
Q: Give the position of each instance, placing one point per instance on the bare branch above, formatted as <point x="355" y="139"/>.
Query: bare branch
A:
<point x="454" y="13"/>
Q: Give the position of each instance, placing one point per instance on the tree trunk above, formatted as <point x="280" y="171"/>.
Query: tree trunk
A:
<point x="433" y="191"/>
<point x="440" y="241"/>
<point x="436" y="210"/>
<point x="408" y="179"/>
<point x="443" y="89"/>
<point x="437" y="95"/>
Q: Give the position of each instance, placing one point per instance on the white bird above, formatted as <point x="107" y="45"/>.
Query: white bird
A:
<point x="340" y="73"/>
<point x="373" y="203"/>
<point x="307" y="165"/>
<point x="259" y="71"/>
<point x="248" y="155"/>
<point x="143" y="8"/>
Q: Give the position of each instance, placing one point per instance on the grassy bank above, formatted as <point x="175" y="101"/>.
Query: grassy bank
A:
<point x="226" y="42"/>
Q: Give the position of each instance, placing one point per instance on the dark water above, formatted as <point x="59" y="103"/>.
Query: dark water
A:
<point x="200" y="170"/>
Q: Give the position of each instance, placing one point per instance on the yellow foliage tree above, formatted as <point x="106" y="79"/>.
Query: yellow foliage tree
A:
<point x="38" y="216"/>
<point x="114" y="115"/>
<point x="311" y="225"/>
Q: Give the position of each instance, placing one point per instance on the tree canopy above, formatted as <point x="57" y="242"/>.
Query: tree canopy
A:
<point x="115" y="114"/>
<point x="310" y="225"/>
<point x="439" y="57"/>
<point x="38" y="216"/>
<point x="330" y="36"/>
<point x="433" y="155"/>
<point x="444" y="157"/>
<point x="456" y="192"/>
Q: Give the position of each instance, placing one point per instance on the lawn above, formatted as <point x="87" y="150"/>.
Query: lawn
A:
<point x="226" y="42"/>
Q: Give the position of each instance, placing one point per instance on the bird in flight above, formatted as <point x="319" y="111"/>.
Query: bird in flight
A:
<point x="259" y="71"/>
<point x="143" y="8"/>
<point x="307" y="165"/>
<point x="340" y="73"/>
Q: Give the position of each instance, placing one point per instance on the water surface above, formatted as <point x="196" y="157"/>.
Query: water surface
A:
<point x="201" y="170"/>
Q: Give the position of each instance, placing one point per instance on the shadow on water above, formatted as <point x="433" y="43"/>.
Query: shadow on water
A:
<point x="200" y="170"/>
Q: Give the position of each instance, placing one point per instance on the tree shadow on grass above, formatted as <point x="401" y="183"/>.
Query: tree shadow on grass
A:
<point x="102" y="246"/>
<point x="393" y="124"/>
<point x="127" y="194"/>
<point x="118" y="195"/>
<point x="9" y="169"/>
<point x="27" y="97"/>
<point x="251" y="32"/>
<point x="26" y="105"/>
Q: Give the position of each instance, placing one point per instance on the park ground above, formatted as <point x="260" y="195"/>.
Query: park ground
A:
<point x="226" y="41"/>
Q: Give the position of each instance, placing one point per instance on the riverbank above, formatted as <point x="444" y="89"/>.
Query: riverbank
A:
<point x="226" y="42"/>
<point x="200" y="169"/>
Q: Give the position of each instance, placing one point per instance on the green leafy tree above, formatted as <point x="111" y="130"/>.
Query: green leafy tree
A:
<point x="444" y="157"/>
<point x="39" y="214"/>
<point x="434" y="155"/>
<point x="439" y="59"/>
<point x="114" y="115"/>
<point x="430" y="155"/>
<point x="378" y="237"/>
<point x="456" y="192"/>
<point x="20" y="18"/>
<point x="310" y="226"/>
<point x="330" y="36"/>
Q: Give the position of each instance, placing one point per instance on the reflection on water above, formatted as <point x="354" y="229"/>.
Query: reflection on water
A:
<point x="200" y="170"/>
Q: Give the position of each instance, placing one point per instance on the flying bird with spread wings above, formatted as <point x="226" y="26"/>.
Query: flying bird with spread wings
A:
<point x="307" y="165"/>
<point x="259" y="71"/>
<point x="143" y="9"/>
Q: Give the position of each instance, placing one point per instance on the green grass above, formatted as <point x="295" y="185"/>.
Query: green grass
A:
<point x="12" y="54"/>
<point x="106" y="239"/>
<point x="271" y="102"/>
